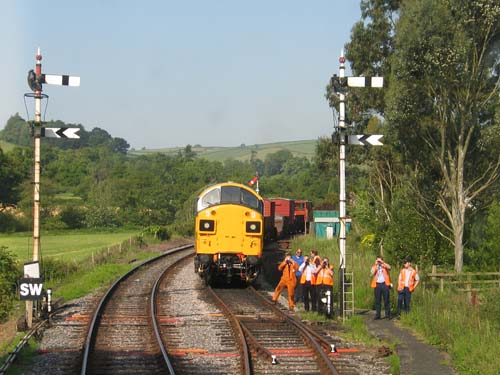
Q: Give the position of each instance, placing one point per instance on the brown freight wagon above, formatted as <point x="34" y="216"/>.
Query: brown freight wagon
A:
<point x="270" y="233"/>
<point x="284" y="216"/>
<point x="303" y="215"/>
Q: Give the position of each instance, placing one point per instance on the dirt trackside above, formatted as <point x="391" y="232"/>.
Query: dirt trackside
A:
<point x="417" y="357"/>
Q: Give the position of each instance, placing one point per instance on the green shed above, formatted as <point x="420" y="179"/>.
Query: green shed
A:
<point x="327" y="224"/>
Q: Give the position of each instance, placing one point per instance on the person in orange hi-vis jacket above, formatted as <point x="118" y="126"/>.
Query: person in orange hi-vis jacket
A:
<point x="288" y="279"/>
<point x="407" y="282"/>
<point x="324" y="287"/>
<point x="381" y="284"/>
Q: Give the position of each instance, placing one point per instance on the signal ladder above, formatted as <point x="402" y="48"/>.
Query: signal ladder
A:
<point x="348" y="287"/>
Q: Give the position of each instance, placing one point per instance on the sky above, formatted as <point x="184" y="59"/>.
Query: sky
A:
<point x="172" y="73"/>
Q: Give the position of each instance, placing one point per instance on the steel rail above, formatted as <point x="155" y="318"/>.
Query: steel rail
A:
<point x="153" y="308"/>
<point x="305" y="333"/>
<point x="91" y="335"/>
<point x="19" y="347"/>
<point x="238" y="329"/>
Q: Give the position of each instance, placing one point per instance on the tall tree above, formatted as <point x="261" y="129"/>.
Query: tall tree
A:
<point x="444" y="89"/>
<point x="11" y="177"/>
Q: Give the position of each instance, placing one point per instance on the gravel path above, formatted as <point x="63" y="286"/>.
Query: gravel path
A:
<point x="417" y="357"/>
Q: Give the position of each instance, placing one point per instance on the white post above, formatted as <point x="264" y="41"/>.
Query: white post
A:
<point x="36" y="182"/>
<point x="342" y="197"/>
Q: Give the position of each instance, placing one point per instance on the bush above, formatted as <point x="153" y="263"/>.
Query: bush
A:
<point x="54" y="269"/>
<point x="156" y="231"/>
<point x="8" y="278"/>
<point x="54" y="223"/>
<point x="101" y="217"/>
<point x="182" y="228"/>
<point x="73" y="217"/>
<point x="10" y="223"/>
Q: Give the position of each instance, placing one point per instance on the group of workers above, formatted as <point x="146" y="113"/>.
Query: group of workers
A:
<point x="381" y="283"/>
<point x="308" y="279"/>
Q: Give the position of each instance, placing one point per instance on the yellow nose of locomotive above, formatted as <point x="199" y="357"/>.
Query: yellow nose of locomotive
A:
<point x="229" y="229"/>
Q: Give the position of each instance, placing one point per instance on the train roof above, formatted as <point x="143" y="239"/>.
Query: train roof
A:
<point x="229" y="193"/>
<point x="229" y="183"/>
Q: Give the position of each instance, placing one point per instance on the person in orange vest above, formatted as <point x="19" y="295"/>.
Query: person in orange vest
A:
<point x="324" y="287"/>
<point x="316" y="260"/>
<point x="288" y="279"/>
<point x="308" y="281"/>
<point x="381" y="283"/>
<point x="407" y="282"/>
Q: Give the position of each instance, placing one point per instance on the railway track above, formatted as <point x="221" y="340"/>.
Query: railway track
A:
<point x="162" y="313"/>
<point x="279" y="342"/>
<point x="197" y="335"/>
<point x="123" y="334"/>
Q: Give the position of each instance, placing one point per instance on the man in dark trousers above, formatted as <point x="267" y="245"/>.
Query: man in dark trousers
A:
<point x="381" y="283"/>
<point x="299" y="259"/>
<point x="407" y="282"/>
<point x="288" y="279"/>
<point x="308" y="281"/>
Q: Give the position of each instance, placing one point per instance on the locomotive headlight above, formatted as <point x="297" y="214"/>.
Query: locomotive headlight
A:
<point x="253" y="226"/>
<point x="206" y="226"/>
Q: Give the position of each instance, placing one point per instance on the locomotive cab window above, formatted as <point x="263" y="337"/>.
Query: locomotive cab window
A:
<point x="209" y="199"/>
<point x="229" y="195"/>
<point x="250" y="200"/>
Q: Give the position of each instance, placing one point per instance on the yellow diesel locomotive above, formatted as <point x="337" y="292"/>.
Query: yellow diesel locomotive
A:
<point x="228" y="233"/>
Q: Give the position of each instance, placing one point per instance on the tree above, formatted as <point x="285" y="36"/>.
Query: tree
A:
<point x="444" y="88"/>
<point x="16" y="131"/>
<point x="8" y="277"/>
<point x="10" y="179"/>
<point x="273" y="163"/>
<point x="119" y="145"/>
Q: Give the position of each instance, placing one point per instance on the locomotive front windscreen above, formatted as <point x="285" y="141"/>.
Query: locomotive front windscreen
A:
<point x="228" y="195"/>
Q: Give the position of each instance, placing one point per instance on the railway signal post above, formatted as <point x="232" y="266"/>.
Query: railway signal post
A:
<point x="35" y="81"/>
<point x="340" y="84"/>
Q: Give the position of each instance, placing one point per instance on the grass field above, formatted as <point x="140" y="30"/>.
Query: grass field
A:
<point x="305" y="148"/>
<point x="68" y="246"/>
<point x="5" y="146"/>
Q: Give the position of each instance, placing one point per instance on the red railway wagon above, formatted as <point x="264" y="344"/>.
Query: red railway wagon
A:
<point x="269" y="218"/>
<point x="284" y="216"/>
<point x="303" y="215"/>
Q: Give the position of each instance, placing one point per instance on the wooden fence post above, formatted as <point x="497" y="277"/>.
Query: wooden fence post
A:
<point x="469" y="287"/>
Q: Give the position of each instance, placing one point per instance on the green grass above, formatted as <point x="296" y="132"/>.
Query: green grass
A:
<point x="69" y="245"/>
<point x="23" y="358"/>
<point x="68" y="198"/>
<point x="448" y="320"/>
<point x="78" y="285"/>
<point x="358" y="332"/>
<point x="304" y="148"/>
<point x="6" y="147"/>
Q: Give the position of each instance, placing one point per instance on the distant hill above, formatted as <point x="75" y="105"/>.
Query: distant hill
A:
<point x="304" y="148"/>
